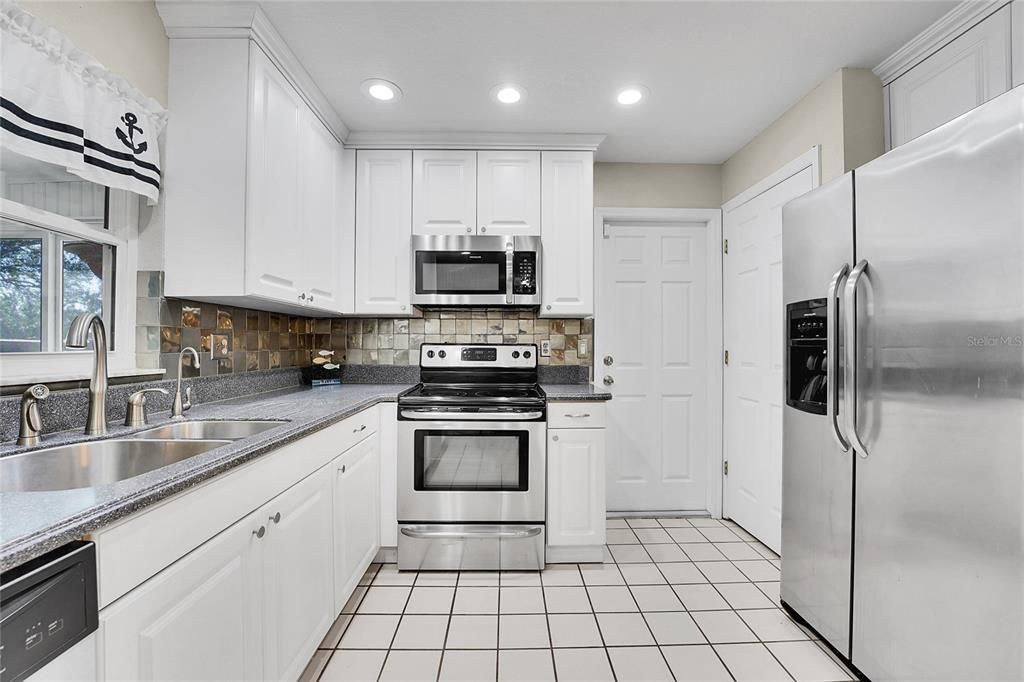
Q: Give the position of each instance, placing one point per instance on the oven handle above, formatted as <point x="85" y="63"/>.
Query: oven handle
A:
<point x="486" y="532"/>
<point x="433" y="415"/>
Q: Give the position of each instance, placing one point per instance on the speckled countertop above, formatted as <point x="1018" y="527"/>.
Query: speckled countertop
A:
<point x="33" y="523"/>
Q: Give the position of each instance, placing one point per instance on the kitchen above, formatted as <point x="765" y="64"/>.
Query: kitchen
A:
<point x="352" y="340"/>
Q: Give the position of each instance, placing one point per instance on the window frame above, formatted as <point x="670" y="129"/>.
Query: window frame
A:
<point x="122" y="235"/>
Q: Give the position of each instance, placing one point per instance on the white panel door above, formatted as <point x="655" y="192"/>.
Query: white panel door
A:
<point x="654" y="302"/>
<point x="199" y="619"/>
<point x="967" y="72"/>
<point x="321" y="231"/>
<point x="508" y="192"/>
<point x="576" y="487"/>
<point x="754" y="338"/>
<point x="443" y="192"/>
<point x="383" y="232"/>
<point x="356" y="515"/>
<point x="273" y="237"/>
<point x="299" y="575"/>
<point x="567" y="229"/>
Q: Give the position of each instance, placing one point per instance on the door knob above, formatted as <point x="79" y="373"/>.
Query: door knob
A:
<point x="608" y="360"/>
<point x="608" y="381"/>
<point x="261" y="532"/>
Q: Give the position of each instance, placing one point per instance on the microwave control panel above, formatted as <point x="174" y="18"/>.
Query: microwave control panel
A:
<point x="524" y="273"/>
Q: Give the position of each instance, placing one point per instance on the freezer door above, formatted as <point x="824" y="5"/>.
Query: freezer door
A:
<point x="939" y="524"/>
<point x="817" y="476"/>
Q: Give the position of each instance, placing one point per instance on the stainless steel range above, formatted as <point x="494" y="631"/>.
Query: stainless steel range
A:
<point x="471" y="460"/>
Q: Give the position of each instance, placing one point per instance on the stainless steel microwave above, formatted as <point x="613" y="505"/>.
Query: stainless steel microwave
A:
<point x="487" y="270"/>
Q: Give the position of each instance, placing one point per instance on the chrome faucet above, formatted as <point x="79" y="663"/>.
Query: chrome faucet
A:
<point x="96" y="424"/>
<point x="135" y="408"/>
<point x="31" y="422"/>
<point x="178" y="407"/>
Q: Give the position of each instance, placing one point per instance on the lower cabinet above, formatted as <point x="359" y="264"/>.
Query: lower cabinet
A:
<point x="356" y="515"/>
<point x="576" y="494"/>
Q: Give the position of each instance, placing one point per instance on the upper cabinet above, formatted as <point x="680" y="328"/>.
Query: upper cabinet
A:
<point x="567" y="234"/>
<point x="508" y="193"/>
<point x="383" y="231"/>
<point x="967" y="67"/>
<point x="443" y="192"/>
<point x="253" y="179"/>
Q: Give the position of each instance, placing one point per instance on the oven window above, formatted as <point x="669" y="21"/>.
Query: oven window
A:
<point x="447" y="272"/>
<point x="472" y="460"/>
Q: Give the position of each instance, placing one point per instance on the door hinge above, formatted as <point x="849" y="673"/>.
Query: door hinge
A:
<point x="725" y="467"/>
<point x="725" y="246"/>
<point x="725" y="357"/>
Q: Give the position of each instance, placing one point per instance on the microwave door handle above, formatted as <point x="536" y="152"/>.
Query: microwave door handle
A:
<point x="832" y="355"/>
<point x="850" y="392"/>
<point x="508" y="273"/>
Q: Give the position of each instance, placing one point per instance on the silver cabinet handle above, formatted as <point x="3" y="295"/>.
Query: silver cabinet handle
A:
<point x="342" y="468"/>
<point x="484" y="532"/>
<point x="311" y="298"/>
<point x="302" y="296"/>
<point x="577" y="416"/>
<point x="832" y="355"/>
<point x="361" y="428"/>
<point x="276" y="518"/>
<point x="483" y="229"/>
<point x="850" y="389"/>
<point x="261" y="532"/>
<point x="469" y="230"/>
<point x="554" y="438"/>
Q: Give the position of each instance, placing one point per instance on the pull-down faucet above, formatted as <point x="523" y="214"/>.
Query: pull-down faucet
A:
<point x="96" y="424"/>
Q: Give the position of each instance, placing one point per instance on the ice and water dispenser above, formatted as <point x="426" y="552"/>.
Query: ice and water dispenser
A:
<point x="806" y="367"/>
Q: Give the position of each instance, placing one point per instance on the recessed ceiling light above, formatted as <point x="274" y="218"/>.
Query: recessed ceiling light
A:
<point x="381" y="90"/>
<point x="631" y="95"/>
<point x="508" y="94"/>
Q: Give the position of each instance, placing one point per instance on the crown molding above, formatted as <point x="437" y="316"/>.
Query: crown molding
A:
<point x="184" y="19"/>
<point x="924" y="44"/>
<point x="443" y="140"/>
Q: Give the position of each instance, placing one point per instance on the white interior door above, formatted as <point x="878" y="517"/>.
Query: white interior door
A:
<point x="754" y="338"/>
<point x="654" y="336"/>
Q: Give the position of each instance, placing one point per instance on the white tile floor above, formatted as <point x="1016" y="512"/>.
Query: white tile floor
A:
<point x="677" y="599"/>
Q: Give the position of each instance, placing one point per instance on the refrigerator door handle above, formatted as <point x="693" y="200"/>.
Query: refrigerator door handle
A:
<point x="850" y="388"/>
<point x="832" y="355"/>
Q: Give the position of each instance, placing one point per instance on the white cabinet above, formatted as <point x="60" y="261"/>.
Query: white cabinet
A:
<point x="200" y="619"/>
<point x="567" y="232"/>
<point x="357" y="494"/>
<point x="576" y="483"/>
<point x="383" y="232"/>
<point x="508" y="192"/>
<point x="253" y="184"/>
<point x="444" y="192"/>
<point x="298" y="575"/>
<point x="965" y="73"/>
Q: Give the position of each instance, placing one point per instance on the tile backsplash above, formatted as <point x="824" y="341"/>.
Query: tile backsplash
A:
<point x="233" y="340"/>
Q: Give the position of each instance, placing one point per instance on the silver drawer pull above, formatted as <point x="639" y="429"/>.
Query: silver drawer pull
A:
<point x="578" y="416"/>
<point x="261" y="532"/>
<point x="361" y="428"/>
<point x="471" y="535"/>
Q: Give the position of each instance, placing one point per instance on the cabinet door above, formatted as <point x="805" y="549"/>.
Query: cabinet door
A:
<point x="567" y="228"/>
<point x="273" y="242"/>
<point x="383" y="232"/>
<point x="443" y="192"/>
<point x="298" y="578"/>
<point x="198" y="619"/>
<point x="508" y="192"/>
<point x="321" y="225"/>
<point x="967" y="72"/>
<point x="576" y="487"/>
<point x="356" y="515"/>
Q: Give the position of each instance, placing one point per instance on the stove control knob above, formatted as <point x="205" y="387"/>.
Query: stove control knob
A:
<point x="515" y="354"/>
<point x="430" y="353"/>
<point x="527" y="354"/>
<point x="441" y="354"/>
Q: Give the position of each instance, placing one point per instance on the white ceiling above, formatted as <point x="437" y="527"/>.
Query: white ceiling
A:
<point x="718" y="72"/>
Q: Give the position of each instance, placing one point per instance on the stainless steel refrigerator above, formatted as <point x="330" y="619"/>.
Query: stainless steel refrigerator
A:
<point x="903" y="428"/>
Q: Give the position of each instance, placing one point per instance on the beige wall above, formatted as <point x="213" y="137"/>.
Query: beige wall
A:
<point x="842" y="115"/>
<point x="657" y="185"/>
<point x="126" y="37"/>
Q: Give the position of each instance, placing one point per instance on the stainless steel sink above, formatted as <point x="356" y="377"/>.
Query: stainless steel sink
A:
<point x="94" y="463"/>
<point x="229" y="430"/>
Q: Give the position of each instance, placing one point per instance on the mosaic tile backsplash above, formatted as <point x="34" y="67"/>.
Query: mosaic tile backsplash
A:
<point x="232" y="339"/>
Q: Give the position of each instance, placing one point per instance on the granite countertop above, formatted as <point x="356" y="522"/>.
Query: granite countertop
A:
<point x="575" y="392"/>
<point x="33" y="523"/>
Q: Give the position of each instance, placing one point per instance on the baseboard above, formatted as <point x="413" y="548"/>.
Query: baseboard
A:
<point x="582" y="554"/>
<point x="386" y="555"/>
<point x="658" y="514"/>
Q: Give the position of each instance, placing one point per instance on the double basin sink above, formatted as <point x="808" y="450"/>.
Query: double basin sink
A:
<point x="101" y="462"/>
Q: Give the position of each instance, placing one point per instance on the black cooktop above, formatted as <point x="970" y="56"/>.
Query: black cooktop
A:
<point x="462" y="394"/>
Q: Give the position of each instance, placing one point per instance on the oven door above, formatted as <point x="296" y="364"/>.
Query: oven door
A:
<point x="471" y="471"/>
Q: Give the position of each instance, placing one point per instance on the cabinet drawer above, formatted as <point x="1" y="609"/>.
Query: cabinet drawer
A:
<point x="576" y="415"/>
<point x="357" y="427"/>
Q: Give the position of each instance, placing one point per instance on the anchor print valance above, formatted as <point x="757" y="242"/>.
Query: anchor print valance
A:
<point x="59" y="105"/>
